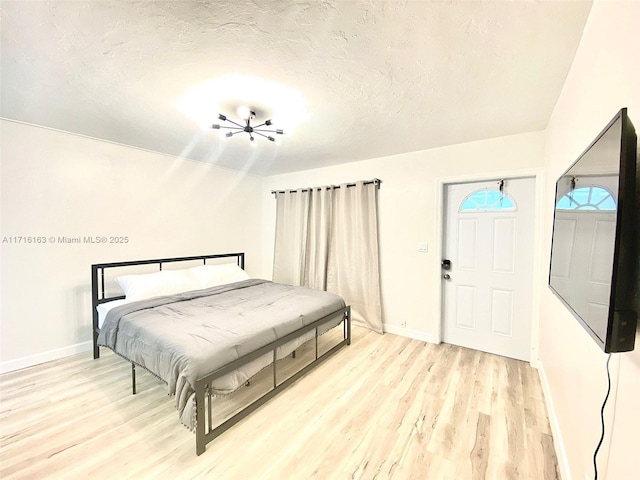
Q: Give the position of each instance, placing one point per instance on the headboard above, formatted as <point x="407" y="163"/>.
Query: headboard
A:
<point x="98" y="283"/>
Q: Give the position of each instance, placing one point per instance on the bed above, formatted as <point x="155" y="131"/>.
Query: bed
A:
<point x="208" y="329"/>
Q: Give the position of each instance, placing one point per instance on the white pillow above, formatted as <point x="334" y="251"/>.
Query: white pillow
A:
<point x="164" y="282"/>
<point x="103" y="309"/>
<point x="213" y="275"/>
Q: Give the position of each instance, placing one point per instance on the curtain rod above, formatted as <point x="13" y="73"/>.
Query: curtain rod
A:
<point x="377" y="181"/>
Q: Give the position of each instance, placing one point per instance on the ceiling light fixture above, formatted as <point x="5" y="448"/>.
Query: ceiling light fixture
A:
<point x="248" y="128"/>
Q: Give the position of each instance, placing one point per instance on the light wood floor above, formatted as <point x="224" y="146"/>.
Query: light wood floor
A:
<point x="384" y="407"/>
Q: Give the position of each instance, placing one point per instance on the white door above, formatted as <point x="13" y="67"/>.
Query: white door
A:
<point x="489" y="246"/>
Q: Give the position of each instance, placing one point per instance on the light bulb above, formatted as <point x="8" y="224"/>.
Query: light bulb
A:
<point x="244" y="112"/>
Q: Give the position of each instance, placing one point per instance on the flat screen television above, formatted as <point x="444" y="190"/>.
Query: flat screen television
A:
<point x="594" y="248"/>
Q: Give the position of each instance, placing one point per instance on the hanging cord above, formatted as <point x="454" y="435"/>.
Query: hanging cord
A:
<point x="573" y="187"/>
<point x="595" y="454"/>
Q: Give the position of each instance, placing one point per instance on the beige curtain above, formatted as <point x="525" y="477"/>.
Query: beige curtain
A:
<point x="292" y="215"/>
<point x="334" y="247"/>
<point x="319" y="230"/>
<point x="353" y="270"/>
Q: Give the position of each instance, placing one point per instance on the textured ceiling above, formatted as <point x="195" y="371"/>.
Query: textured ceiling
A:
<point x="363" y="78"/>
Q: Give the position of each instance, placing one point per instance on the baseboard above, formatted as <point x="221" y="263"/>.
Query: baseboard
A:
<point x="407" y="332"/>
<point x="534" y="362"/>
<point x="558" y="442"/>
<point x="38" y="358"/>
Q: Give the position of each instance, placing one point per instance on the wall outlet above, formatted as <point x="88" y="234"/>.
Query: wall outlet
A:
<point x="423" y="247"/>
<point x="403" y="324"/>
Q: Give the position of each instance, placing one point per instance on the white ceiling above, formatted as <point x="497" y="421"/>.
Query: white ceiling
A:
<point x="370" y="78"/>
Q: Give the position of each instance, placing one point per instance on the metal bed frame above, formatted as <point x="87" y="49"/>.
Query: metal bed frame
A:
<point x="205" y="430"/>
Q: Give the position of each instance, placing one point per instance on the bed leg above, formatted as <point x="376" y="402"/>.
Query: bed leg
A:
<point x="133" y="378"/>
<point x="200" y="418"/>
<point x="96" y="348"/>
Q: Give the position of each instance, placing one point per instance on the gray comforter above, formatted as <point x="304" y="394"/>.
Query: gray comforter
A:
<point x="181" y="338"/>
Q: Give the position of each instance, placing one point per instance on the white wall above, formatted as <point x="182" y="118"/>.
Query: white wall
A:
<point x="604" y="78"/>
<point x="409" y="214"/>
<point x="57" y="184"/>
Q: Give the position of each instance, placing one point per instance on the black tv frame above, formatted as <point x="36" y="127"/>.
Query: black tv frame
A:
<point x="624" y="288"/>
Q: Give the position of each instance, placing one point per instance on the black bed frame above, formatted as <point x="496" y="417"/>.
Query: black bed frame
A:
<point x="205" y="431"/>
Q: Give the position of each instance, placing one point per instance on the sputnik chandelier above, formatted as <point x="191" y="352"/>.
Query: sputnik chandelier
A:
<point x="247" y="128"/>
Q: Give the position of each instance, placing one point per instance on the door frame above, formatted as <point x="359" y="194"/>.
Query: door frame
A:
<point x="538" y="222"/>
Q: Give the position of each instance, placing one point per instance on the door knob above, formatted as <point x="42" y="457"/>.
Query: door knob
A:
<point x="446" y="276"/>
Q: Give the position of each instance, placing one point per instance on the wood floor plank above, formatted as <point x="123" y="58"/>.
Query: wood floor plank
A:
<point x="480" y="452"/>
<point x="386" y="407"/>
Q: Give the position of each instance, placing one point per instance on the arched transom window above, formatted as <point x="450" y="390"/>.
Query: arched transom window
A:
<point x="592" y="197"/>
<point x="487" y="200"/>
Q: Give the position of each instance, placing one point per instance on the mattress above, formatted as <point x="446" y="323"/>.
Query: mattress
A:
<point x="182" y="338"/>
